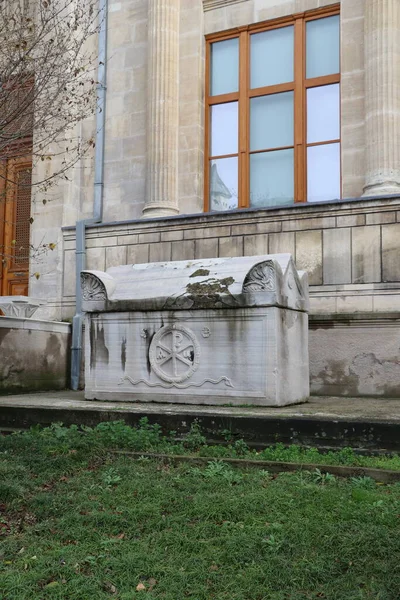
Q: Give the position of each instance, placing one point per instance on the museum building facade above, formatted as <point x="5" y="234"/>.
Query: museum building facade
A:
<point x="248" y="127"/>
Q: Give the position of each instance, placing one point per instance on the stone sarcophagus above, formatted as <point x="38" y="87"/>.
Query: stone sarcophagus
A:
<point x="212" y="331"/>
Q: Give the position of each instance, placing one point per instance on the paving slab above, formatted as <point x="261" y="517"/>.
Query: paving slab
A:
<point x="326" y="407"/>
<point x="368" y="423"/>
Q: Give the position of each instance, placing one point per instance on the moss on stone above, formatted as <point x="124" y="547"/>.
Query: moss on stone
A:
<point x="200" y="273"/>
<point x="210" y="286"/>
<point x="208" y="293"/>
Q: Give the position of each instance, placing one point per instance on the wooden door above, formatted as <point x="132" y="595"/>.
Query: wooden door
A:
<point x="15" y="213"/>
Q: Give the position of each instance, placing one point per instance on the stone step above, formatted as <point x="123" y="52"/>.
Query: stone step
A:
<point x="362" y="423"/>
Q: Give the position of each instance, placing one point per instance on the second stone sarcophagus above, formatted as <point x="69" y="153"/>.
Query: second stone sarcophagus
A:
<point x="212" y="331"/>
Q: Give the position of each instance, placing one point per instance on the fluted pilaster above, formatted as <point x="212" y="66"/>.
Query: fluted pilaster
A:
<point x="382" y="102"/>
<point x="163" y="109"/>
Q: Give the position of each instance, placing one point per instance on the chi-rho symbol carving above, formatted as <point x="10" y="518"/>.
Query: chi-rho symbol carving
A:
<point x="174" y="353"/>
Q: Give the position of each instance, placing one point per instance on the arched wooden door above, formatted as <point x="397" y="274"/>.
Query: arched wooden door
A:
<point x="15" y="213"/>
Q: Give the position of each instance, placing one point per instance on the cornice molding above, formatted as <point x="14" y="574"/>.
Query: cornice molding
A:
<point x="213" y="4"/>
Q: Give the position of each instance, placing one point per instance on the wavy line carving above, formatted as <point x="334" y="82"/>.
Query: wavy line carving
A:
<point x="226" y="380"/>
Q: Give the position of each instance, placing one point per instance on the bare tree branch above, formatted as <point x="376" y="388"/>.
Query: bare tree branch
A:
<point x="48" y="85"/>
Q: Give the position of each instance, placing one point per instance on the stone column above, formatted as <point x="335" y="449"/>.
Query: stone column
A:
<point x="382" y="96"/>
<point x="163" y="109"/>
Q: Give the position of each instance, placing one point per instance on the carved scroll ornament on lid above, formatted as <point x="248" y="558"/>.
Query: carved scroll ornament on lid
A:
<point x="92" y="287"/>
<point x="261" y="278"/>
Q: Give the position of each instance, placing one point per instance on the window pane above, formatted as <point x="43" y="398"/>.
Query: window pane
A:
<point x="224" y="184"/>
<point x="323" y="113"/>
<point x="322" y="41"/>
<point x="224" y="67"/>
<point x="271" y="178"/>
<point x="323" y="173"/>
<point x="272" y="57"/>
<point x="271" y="121"/>
<point x="224" y="129"/>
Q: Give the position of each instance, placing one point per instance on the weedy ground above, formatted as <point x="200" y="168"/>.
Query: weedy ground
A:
<point x="77" y="523"/>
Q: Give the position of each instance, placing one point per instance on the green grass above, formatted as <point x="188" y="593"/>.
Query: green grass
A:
<point x="148" y="438"/>
<point x="77" y="523"/>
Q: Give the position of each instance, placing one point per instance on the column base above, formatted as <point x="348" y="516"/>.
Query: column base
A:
<point x="159" y="210"/>
<point x="388" y="188"/>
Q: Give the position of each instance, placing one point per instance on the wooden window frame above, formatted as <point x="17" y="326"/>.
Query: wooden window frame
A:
<point x="299" y="86"/>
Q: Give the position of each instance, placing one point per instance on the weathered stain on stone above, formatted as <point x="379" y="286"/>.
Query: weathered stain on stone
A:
<point x="335" y="380"/>
<point x="200" y="273"/>
<point x="3" y="334"/>
<point x="148" y="343"/>
<point x="52" y="354"/>
<point x="53" y="345"/>
<point x="33" y="360"/>
<point x="365" y="375"/>
<point x="123" y="353"/>
<point x="8" y="372"/>
<point x="382" y="374"/>
<point x="289" y="318"/>
<point x="98" y="349"/>
<point x="92" y="346"/>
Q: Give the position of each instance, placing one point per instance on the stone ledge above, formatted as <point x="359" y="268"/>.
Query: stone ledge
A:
<point x="358" y="320"/>
<point x="294" y="213"/>
<point x="356" y="316"/>
<point x="348" y="288"/>
<point x="372" y="424"/>
<point x="34" y="324"/>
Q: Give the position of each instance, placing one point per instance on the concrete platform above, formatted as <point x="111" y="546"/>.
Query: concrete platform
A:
<point x="364" y="423"/>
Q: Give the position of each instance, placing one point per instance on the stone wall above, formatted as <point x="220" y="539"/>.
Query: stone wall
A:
<point x="34" y="355"/>
<point x="341" y="250"/>
<point x="355" y="355"/>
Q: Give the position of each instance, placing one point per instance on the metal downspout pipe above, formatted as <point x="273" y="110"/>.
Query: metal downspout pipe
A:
<point x="80" y="252"/>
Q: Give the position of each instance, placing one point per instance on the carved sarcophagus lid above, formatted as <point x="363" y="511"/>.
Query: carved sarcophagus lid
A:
<point x="211" y="331"/>
<point x="215" y="283"/>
